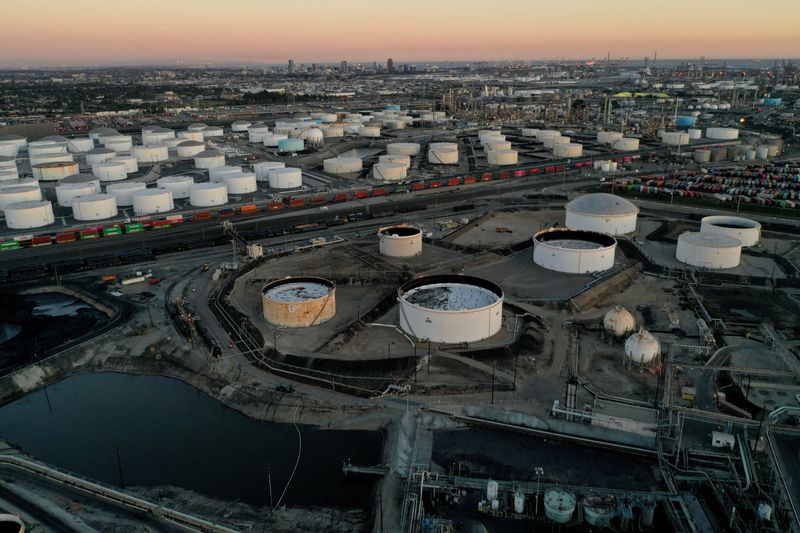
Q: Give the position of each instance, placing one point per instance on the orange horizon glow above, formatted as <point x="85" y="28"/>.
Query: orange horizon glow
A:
<point x="102" y="32"/>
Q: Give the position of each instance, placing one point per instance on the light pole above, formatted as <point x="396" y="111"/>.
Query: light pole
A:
<point x="539" y="473"/>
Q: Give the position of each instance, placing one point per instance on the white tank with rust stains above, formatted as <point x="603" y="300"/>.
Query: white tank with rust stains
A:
<point x="298" y="302"/>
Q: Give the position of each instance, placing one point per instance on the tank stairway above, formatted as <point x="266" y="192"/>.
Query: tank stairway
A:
<point x="350" y="469"/>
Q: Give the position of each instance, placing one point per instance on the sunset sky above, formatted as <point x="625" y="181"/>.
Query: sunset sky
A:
<point x="107" y="32"/>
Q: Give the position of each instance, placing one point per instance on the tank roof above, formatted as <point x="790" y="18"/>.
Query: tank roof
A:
<point x="601" y="203"/>
<point x="297" y="289"/>
<point x="710" y="240"/>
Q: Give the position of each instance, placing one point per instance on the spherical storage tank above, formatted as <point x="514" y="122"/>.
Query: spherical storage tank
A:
<point x="708" y="250"/>
<point x="110" y="170"/>
<point x="54" y="171"/>
<point x="152" y="201"/>
<point x="314" y="137"/>
<point x="400" y="241"/>
<point x="402" y="148"/>
<point x="243" y="183"/>
<point x="262" y="169"/>
<point x="568" y="150"/>
<point x="151" y="153"/>
<point x="747" y="231"/>
<point x="22" y="193"/>
<point x="29" y="214"/>
<point x="619" y="321"/>
<point x="342" y="165"/>
<point x="94" y="207"/>
<point x="179" y="186"/>
<point x="208" y="194"/>
<point x="285" y="178"/>
<point x="608" y="137"/>
<point x="291" y="145"/>
<point x="67" y="192"/>
<point x="642" y="347"/>
<point x="298" y="302"/>
<point x="124" y="191"/>
<point x="189" y="149"/>
<point x="499" y="158"/>
<point x="559" y="505"/>
<point x="389" y="171"/>
<point x="450" y="308"/>
<point x="722" y="134"/>
<point x="574" y="251"/>
<point x="443" y="153"/>
<point x="603" y="213"/>
<point x="209" y="159"/>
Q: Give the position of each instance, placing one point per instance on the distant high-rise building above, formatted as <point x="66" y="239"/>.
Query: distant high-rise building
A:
<point x="375" y="66"/>
<point x="313" y="67"/>
<point x="390" y="65"/>
<point x="290" y="68"/>
<point x="405" y="68"/>
<point x="343" y="67"/>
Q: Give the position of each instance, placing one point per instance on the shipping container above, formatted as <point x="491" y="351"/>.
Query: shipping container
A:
<point x="175" y="219"/>
<point x="486" y="177"/>
<point x="402" y="187"/>
<point x="274" y="205"/>
<point x="134" y="227"/>
<point x="67" y="236"/>
<point x="417" y="185"/>
<point x="91" y="233"/>
<point x="297" y="202"/>
<point x="161" y="224"/>
<point x="223" y="213"/>
<point x="340" y="197"/>
<point x="9" y="245"/>
<point x="362" y="194"/>
<point x="470" y="179"/>
<point x="504" y="174"/>
<point x="435" y="184"/>
<point x="319" y="199"/>
<point x="42" y="240"/>
<point x="380" y="191"/>
<point x="109" y="278"/>
<point x="452" y="182"/>
<point x="202" y="215"/>
<point x="249" y="208"/>
<point x="111" y="230"/>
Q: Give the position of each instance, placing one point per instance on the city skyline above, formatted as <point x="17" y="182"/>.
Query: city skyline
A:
<point x="181" y="32"/>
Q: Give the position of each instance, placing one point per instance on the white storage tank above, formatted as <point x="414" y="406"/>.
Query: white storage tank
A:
<point x="273" y="139"/>
<point x="46" y="147"/>
<point x="702" y="155"/>
<point x="642" y="348"/>
<point x="450" y="308"/>
<point x="124" y="192"/>
<point x="746" y="230"/>
<point x="602" y="213"/>
<point x="22" y="193"/>
<point x="244" y="183"/>
<point x="118" y="143"/>
<point x="708" y="250"/>
<point x="342" y="165"/>
<point x="83" y="178"/>
<point x="50" y="158"/>
<point x="79" y="145"/>
<point x="574" y="251"/>
<point x="493" y="146"/>
<point x="191" y="136"/>
<point x="197" y="126"/>
<point x="502" y="157"/>
<point x="151" y="153"/>
<point x="156" y="136"/>
<point x="722" y="134"/>
<point x="550" y="142"/>
<point x="189" y="149"/>
<point x="529" y="132"/>
<point x="208" y="194"/>
<point x="262" y="169"/>
<point x="559" y="505"/>
<point x="443" y="153"/>
<point x="179" y="186"/>
<point x="67" y="192"/>
<point x="389" y="171"/>
<point x="608" y="137"/>
<point x="131" y="165"/>
<point x="240" y="125"/>
<point x="619" y="321"/>
<point x="566" y="150"/>
<point x="212" y="131"/>
<point x="402" y="148"/>
<point x="10" y="144"/>
<point x="599" y="511"/>
<point x="405" y="160"/>
<point x="285" y="178"/>
<point x="675" y="138"/>
<point x="8" y="161"/>
<point x="110" y="170"/>
<point x="400" y="241"/>
<point x="11" y="173"/>
<point x="369" y="131"/>
<point x="695" y="134"/>
<point x="94" y="207"/>
<point x="29" y="214"/>
<point x="19" y="182"/>
<point x="98" y="155"/>
<point x="217" y="174"/>
<point x="257" y="134"/>
<point x="330" y="131"/>
<point x="209" y="159"/>
<point x="152" y="201"/>
<point x="96" y="133"/>
<point x="54" y="171"/>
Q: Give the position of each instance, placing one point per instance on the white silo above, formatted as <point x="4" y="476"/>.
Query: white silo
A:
<point x="602" y="213"/>
<point x="209" y="159"/>
<point x="502" y="157"/>
<point x="83" y="178"/>
<point x="118" y="143"/>
<point x="98" y="155"/>
<point x="150" y="154"/>
<point x="642" y="348"/>
<point x="409" y="149"/>
<point x="94" y="207"/>
<point x="244" y="183"/>
<point x="389" y="171"/>
<point x="79" y="145"/>
<point x="342" y="165"/>
<point x="29" y="214"/>
<point x="217" y="174"/>
<point x="400" y="241"/>
<point x="131" y="165"/>
<point x="256" y="134"/>
<point x="285" y="178"/>
<point x="262" y="169"/>
<point x="608" y="137"/>
<point x="110" y="170"/>
<point x="54" y="171"/>
<point x="124" y="192"/>
<point x="708" y="250"/>
<point x="22" y="193"/>
<point x="191" y="136"/>
<point x="152" y="201"/>
<point x="240" y="125"/>
<point x="67" y="192"/>
<point x="273" y="139"/>
<point x="208" y="194"/>
<point x="212" y="131"/>
<point x="178" y="185"/>
<point x="746" y="230"/>
<point x="619" y="321"/>
<point x="189" y="149"/>
<point x="443" y="153"/>
<point x="566" y="150"/>
<point x="391" y="158"/>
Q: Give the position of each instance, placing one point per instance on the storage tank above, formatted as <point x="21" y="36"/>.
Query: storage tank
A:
<point x="79" y="145"/>
<point x="450" y="308"/>
<point x="241" y="125"/>
<point x="400" y="241"/>
<point x="702" y="155"/>
<point x="499" y="158"/>
<point x="262" y="169"/>
<point x="8" y="174"/>
<point x="626" y="144"/>
<point x="244" y="183"/>
<point x="197" y="126"/>
<point x="209" y="159"/>
<point x="54" y="171"/>
<point x="747" y="231"/>
<point x="403" y="149"/>
<point x="492" y="146"/>
<point x="298" y="302"/>
<point x="550" y="142"/>
<point x="722" y="134"/>
<point x="695" y="134"/>
<point x="131" y="165"/>
<point x="574" y="251"/>
<point x="94" y="207"/>
<point x="216" y="174"/>
<point x="152" y="201"/>
<point x="315" y="138"/>
<point x="492" y="490"/>
<point x="519" y="502"/>
<point x="602" y="213"/>
<point x="608" y="137"/>
<point x="189" y="149"/>
<point x="291" y="145"/>
<point x="46" y="147"/>
<point x="150" y="154"/>
<point x="566" y="150"/>
<point x="98" y="155"/>
<point x="342" y="165"/>
<point x="405" y="160"/>
<point x="124" y="191"/>
<point x="22" y="193"/>
<point x="708" y="250"/>
<point x="110" y="170"/>
<point x="619" y="321"/>
<point x="599" y="511"/>
<point x="212" y="131"/>
<point x="179" y="186"/>
<point x="191" y="136"/>
<point x="96" y="133"/>
<point x="156" y="136"/>
<point x="443" y="153"/>
<point x="389" y="171"/>
<point x="257" y="134"/>
<point x="10" y="144"/>
<point x="172" y="144"/>
<point x="285" y="178"/>
<point x="83" y="178"/>
<point x="642" y="348"/>
<point x="67" y="192"/>
<point x="50" y="158"/>
<point x="369" y="131"/>
<point x="29" y="214"/>
<point x="8" y="161"/>
<point x="529" y="132"/>
<point x="19" y="182"/>
<point x="331" y="131"/>
<point x="273" y="139"/>
<point x="685" y="121"/>
<point x="208" y="194"/>
<point x="118" y="143"/>
<point x="675" y="138"/>
<point x="559" y="505"/>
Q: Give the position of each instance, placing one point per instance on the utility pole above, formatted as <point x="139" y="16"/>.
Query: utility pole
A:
<point x="119" y="468"/>
<point x="494" y="367"/>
